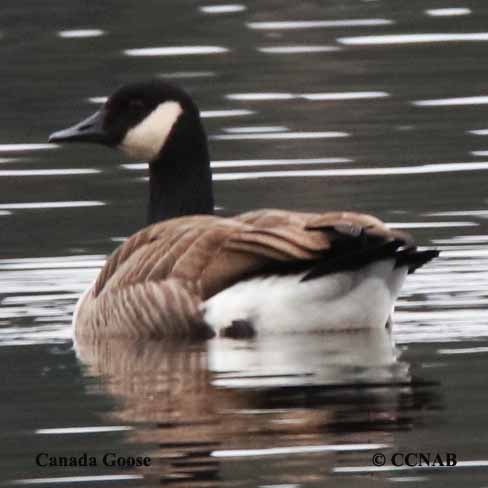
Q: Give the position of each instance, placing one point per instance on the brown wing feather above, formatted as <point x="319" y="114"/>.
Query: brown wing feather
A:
<point x="159" y="309"/>
<point x="161" y="274"/>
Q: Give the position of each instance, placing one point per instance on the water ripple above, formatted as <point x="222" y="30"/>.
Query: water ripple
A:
<point x="48" y="172"/>
<point x="412" y="39"/>
<point x="176" y="51"/>
<point x="210" y="114"/>
<point x="318" y="24"/>
<point x="297" y="49"/>
<point x="250" y="163"/>
<point x="43" y="205"/>
<point x="387" y="171"/>
<point x="450" y="102"/>
<point x="223" y="9"/>
<point x="26" y="147"/>
<point x="448" y="12"/>
<point x="279" y="135"/>
<point x="333" y="96"/>
<point x="81" y="33"/>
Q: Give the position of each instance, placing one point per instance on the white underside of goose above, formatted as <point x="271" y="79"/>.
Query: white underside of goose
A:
<point x="359" y="299"/>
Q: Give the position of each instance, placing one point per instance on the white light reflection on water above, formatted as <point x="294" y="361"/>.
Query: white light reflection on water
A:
<point x="260" y="96"/>
<point x="477" y="239"/>
<point x="375" y="469"/>
<point x="210" y="114"/>
<point x="297" y="49"/>
<point x="464" y="350"/>
<point x="60" y="262"/>
<point x="318" y="24"/>
<point x="43" y="291"/>
<point x="256" y="129"/>
<point x="332" y="96"/>
<point x="205" y="114"/>
<point x="223" y="9"/>
<point x="429" y="225"/>
<point x="479" y="132"/>
<point x="344" y="95"/>
<point x="279" y="135"/>
<point x="77" y="479"/>
<point x="398" y="170"/>
<point x="46" y="279"/>
<point x="97" y="100"/>
<point x="84" y="430"/>
<point x="448" y="12"/>
<point x="80" y="33"/>
<point x="407" y="479"/>
<point x="250" y="163"/>
<point x="43" y="205"/>
<point x="16" y="300"/>
<point x="411" y="39"/>
<point x="280" y="451"/>
<point x="176" y="51"/>
<point x="51" y="330"/>
<point x="447" y="300"/>
<point x="177" y="75"/>
<point x="451" y="102"/>
<point x="48" y="172"/>
<point x="461" y="213"/>
<point x="26" y="147"/>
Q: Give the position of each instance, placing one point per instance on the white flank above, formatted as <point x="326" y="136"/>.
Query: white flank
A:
<point x="359" y="299"/>
<point x="145" y="140"/>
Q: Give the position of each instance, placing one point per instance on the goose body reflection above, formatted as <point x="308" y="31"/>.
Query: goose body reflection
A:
<point x="202" y="410"/>
<point x="339" y="358"/>
<point x="192" y="274"/>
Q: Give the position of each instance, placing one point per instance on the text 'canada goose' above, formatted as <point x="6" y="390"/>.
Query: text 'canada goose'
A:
<point x="192" y="274"/>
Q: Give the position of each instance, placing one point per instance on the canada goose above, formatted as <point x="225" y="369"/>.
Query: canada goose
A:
<point x="190" y="273"/>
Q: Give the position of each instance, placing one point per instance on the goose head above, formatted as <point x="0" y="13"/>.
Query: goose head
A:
<point x="159" y="123"/>
<point x="138" y="119"/>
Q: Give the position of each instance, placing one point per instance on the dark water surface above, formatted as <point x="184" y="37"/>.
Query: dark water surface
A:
<point x="377" y="106"/>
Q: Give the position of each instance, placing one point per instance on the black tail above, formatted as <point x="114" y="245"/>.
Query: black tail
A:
<point x="363" y="250"/>
<point x="414" y="259"/>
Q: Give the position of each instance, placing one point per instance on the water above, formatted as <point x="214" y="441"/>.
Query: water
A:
<point x="366" y="105"/>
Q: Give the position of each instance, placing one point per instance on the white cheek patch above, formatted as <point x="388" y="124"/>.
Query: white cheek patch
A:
<point x="145" y="140"/>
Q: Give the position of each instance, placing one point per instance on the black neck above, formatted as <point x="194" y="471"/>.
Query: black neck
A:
<point x="180" y="179"/>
